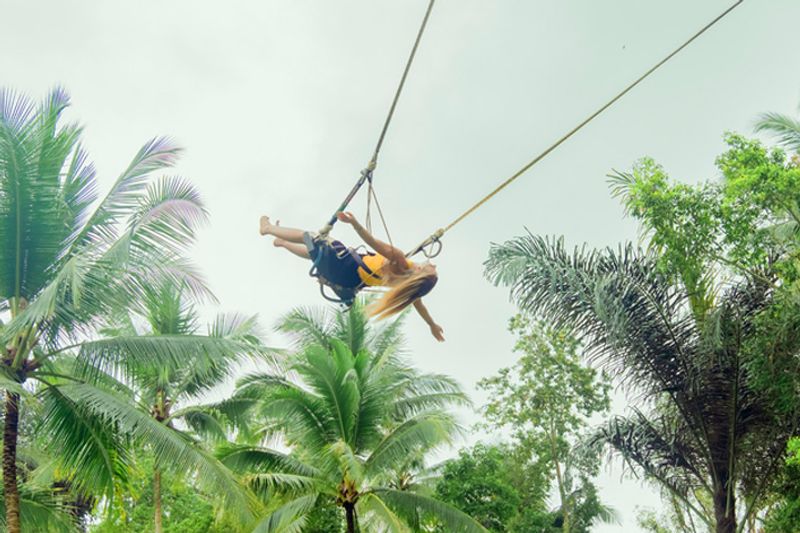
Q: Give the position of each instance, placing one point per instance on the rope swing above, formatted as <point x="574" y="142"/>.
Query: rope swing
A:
<point x="366" y="173"/>
<point x="435" y="239"/>
<point x="432" y="246"/>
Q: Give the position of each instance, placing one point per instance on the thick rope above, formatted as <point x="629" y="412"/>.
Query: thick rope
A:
<point x="366" y="174"/>
<point x="440" y="232"/>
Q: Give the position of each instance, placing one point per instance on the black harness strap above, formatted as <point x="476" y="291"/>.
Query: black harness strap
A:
<point x="344" y="295"/>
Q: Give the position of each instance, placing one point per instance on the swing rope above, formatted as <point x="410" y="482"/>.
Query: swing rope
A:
<point x="366" y="173"/>
<point x="434" y="239"/>
<point x="371" y="194"/>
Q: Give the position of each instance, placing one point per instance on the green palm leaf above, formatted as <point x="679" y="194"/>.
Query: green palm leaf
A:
<point x="170" y="447"/>
<point x="289" y="517"/>
<point x="784" y="127"/>
<point x="40" y="511"/>
<point x="426" y="431"/>
<point x="410" y="505"/>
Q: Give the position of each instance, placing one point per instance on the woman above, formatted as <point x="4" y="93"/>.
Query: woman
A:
<point x="407" y="282"/>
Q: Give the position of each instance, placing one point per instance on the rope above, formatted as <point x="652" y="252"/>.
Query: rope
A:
<point x="434" y="238"/>
<point x="402" y="82"/>
<point x="374" y="195"/>
<point x="366" y="174"/>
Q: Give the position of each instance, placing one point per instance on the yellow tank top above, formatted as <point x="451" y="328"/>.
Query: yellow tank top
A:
<point x="375" y="263"/>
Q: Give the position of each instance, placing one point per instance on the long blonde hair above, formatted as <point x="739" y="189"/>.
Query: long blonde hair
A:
<point x="404" y="290"/>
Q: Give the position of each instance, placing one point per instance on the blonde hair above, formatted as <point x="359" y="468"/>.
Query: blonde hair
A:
<point x="404" y="290"/>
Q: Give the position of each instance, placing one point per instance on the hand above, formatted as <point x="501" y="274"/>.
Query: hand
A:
<point x="346" y="216"/>
<point x="437" y="332"/>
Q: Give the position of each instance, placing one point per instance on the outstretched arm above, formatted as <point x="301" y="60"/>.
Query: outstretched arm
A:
<point x="436" y="329"/>
<point x="395" y="255"/>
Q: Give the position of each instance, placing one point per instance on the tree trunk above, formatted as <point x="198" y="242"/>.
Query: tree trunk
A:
<point x="350" y="515"/>
<point x="10" y="434"/>
<point x="724" y="510"/>
<point x="157" y="499"/>
<point x="562" y="491"/>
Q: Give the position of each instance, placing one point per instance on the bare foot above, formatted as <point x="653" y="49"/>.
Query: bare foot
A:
<point x="265" y="225"/>
<point x="278" y="243"/>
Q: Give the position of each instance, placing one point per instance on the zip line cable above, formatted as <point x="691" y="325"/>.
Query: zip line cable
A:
<point x="434" y="239"/>
<point x="366" y="174"/>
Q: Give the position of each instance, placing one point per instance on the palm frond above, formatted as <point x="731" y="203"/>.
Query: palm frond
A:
<point x="85" y="443"/>
<point x="289" y="517"/>
<point x="169" y="446"/>
<point x="426" y="431"/>
<point x="126" y="356"/>
<point x="40" y="510"/>
<point x="201" y="420"/>
<point x="167" y="215"/>
<point x="784" y="127"/>
<point x="306" y="326"/>
<point x="409" y="505"/>
<point x="372" y="504"/>
<point x="34" y="218"/>
<point x="125" y="193"/>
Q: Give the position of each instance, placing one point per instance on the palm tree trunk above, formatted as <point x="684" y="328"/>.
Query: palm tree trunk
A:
<point x="724" y="510"/>
<point x="157" y="498"/>
<point x="350" y="515"/>
<point x="10" y="434"/>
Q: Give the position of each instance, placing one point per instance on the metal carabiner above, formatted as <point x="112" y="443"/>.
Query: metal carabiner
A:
<point x="433" y="249"/>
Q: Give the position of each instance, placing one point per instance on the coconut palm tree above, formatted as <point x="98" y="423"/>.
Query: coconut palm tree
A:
<point x="711" y="430"/>
<point x="171" y="394"/>
<point x="350" y="420"/>
<point x="68" y="259"/>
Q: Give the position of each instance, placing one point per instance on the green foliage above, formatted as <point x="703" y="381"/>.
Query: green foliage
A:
<point x="701" y="230"/>
<point x="352" y="422"/>
<point x="70" y="258"/>
<point x="480" y="483"/>
<point x="704" y="324"/>
<point x="784" y="516"/>
<point x="548" y="393"/>
<point x="186" y="509"/>
<point x="325" y="517"/>
<point x="546" y="399"/>
<point x="506" y="492"/>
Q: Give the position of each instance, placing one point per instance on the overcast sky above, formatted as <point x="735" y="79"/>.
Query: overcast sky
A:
<point x="279" y="105"/>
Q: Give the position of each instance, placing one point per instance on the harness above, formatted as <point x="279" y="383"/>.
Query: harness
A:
<point x="344" y="295"/>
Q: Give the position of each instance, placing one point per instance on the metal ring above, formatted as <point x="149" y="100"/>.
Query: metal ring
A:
<point x="435" y="249"/>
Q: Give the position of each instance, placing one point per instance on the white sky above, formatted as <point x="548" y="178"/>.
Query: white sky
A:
<point x="279" y="105"/>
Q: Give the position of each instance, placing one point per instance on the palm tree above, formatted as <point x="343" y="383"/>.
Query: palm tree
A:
<point x="170" y="393"/>
<point x="68" y="259"/>
<point x="784" y="127"/>
<point x="713" y="430"/>
<point x="350" y="420"/>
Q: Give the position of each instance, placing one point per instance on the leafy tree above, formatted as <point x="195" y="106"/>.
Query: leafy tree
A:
<point x="698" y="350"/>
<point x="350" y="420"/>
<point x="480" y="483"/>
<point x="546" y="400"/>
<point x="784" y="515"/>
<point x="189" y="510"/>
<point x="68" y="258"/>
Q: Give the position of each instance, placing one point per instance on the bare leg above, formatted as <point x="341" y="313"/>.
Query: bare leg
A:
<point x="288" y="234"/>
<point x="299" y="250"/>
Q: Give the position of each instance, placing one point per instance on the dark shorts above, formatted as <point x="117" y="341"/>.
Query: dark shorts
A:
<point x="333" y="260"/>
